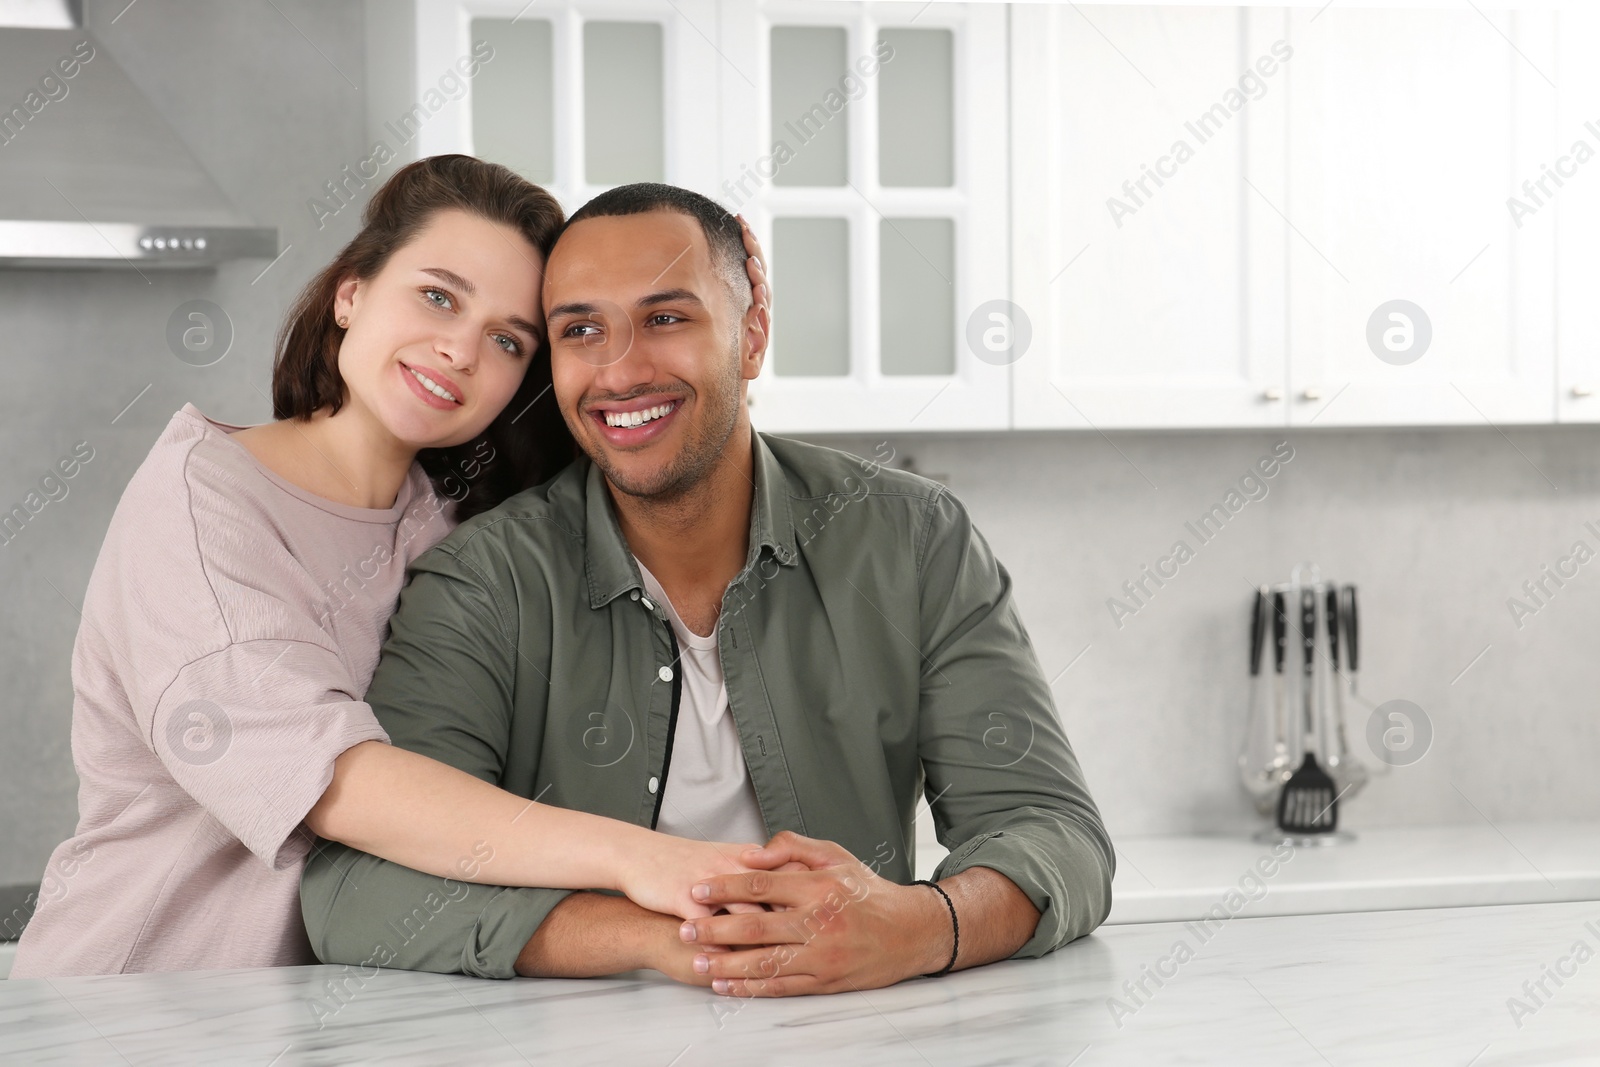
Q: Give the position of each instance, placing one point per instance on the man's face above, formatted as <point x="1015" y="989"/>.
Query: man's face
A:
<point x="648" y="357"/>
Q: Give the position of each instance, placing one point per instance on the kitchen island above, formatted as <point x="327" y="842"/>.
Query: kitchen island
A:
<point x="1453" y="986"/>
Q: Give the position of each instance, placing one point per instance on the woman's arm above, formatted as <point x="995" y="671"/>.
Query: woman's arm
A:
<point x="407" y="808"/>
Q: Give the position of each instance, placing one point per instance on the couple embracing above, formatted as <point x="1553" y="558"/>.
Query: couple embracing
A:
<point x="511" y="648"/>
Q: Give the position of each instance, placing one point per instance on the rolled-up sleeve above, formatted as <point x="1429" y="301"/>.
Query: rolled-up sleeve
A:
<point x="444" y="688"/>
<point x="252" y="731"/>
<point x="1006" y="791"/>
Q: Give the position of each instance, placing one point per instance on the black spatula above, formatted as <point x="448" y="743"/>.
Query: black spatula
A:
<point x="1308" y="804"/>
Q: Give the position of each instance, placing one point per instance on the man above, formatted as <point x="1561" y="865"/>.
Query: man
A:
<point x="727" y="636"/>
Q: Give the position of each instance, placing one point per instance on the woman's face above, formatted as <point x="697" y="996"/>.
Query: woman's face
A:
<point x="459" y="305"/>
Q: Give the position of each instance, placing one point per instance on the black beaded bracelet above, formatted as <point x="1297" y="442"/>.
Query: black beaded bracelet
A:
<point x="955" y="924"/>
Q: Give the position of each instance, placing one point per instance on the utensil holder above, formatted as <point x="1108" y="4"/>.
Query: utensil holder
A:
<point x="1293" y="711"/>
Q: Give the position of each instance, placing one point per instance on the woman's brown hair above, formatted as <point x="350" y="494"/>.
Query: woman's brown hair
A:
<point x="526" y="443"/>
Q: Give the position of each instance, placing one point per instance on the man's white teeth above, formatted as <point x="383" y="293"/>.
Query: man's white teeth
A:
<point x="636" y="418"/>
<point x="432" y="386"/>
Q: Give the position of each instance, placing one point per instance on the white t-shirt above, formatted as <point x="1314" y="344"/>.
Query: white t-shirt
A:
<point x="709" y="793"/>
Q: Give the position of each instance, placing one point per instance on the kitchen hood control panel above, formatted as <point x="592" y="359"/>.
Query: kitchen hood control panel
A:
<point x="79" y="245"/>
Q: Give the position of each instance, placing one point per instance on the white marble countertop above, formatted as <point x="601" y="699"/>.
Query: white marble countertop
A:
<point x="1412" y="987"/>
<point x="1169" y="879"/>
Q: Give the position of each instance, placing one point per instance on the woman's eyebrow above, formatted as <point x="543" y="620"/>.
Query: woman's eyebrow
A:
<point x="450" y="277"/>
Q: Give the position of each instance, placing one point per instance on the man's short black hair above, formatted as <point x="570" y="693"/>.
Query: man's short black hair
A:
<point x="722" y="230"/>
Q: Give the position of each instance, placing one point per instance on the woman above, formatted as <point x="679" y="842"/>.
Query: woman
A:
<point x="235" y="613"/>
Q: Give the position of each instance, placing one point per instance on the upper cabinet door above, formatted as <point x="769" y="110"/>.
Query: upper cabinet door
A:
<point x="578" y="96"/>
<point x="1567" y="195"/>
<point x="867" y="145"/>
<point x="1418" y="293"/>
<point x="1147" y="149"/>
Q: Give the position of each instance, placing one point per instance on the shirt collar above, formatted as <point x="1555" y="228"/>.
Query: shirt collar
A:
<point x="609" y="561"/>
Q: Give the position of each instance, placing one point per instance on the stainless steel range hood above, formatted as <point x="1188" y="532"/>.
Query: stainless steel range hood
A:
<point x="91" y="175"/>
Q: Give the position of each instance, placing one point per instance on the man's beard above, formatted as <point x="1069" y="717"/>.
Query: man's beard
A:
<point x="717" y="413"/>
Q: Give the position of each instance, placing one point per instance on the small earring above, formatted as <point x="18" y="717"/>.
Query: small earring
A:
<point x="342" y="322"/>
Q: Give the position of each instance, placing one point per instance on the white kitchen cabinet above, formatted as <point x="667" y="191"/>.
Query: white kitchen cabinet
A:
<point x="577" y="95"/>
<point x="1076" y="216"/>
<point x="867" y="145"/>
<point x="1407" y="130"/>
<point x="1571" y="202"/>
<point x="1150" y="271"/>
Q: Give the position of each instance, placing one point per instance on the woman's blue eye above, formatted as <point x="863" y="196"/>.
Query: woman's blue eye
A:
<point x="431" y="293"/>
<point x="510" y="345"/>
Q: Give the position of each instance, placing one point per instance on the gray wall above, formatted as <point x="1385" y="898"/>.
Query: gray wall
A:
<point x="271" y="119"/>
<point x="1438" y="528"/>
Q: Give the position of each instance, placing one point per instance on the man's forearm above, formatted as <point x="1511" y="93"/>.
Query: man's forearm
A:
<point x="997" y="918"/>
<point x="588" y="935"/>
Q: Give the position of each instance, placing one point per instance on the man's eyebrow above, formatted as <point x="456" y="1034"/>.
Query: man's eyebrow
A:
<point x="668" y="296"/>
<point x="665" y="296"/>
<point x="450" y="277"/>
<point x="561" y="310"/>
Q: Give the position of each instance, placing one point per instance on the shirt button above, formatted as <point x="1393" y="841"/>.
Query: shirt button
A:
<point x="634" y="595"/>
<point x="648" y="605"/>
<point x="654" y="784"/>
<point x="665" y="674"/>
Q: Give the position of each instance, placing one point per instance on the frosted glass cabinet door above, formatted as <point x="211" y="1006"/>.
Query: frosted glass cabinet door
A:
<point x="868" y="149"/>
<point x="916" y="295"/>
<point x="811" y="287"/>
<point x="1415" y="297"/>
<point x="916" y="108"/>
<point x="577" y="95"/>
<point x="806" y="61"/>
<point x="513" y="113"/>
<point x="622" y="99"/>
<point x="1151" y="272"/>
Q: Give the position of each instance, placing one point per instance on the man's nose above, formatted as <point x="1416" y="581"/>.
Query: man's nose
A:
<point x="622" y="362"/>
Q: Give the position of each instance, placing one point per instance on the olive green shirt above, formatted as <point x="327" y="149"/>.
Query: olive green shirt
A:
<point x="872" y="654"/>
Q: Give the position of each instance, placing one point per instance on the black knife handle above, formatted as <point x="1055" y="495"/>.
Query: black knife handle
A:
<point x="1351" y="631"/>
<point x="1258" y="630"/>
<point x="1333" y="626"/>
<point x="1280" y="631"/>
<point x="1308" y="628"/>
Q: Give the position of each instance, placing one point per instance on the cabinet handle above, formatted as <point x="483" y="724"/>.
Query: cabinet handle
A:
<point x="1271" y="394"/>
<point x="1311" y="392"/>
<point x="1582" y="391"/>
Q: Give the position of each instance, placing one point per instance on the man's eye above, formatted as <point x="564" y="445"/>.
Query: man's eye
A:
<point x="663" y="319"/>
<point x="575" y="329"/>
<point x="442" y="302"/>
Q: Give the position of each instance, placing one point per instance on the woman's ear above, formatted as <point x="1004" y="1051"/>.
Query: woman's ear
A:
<point x="345" y="299"/>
